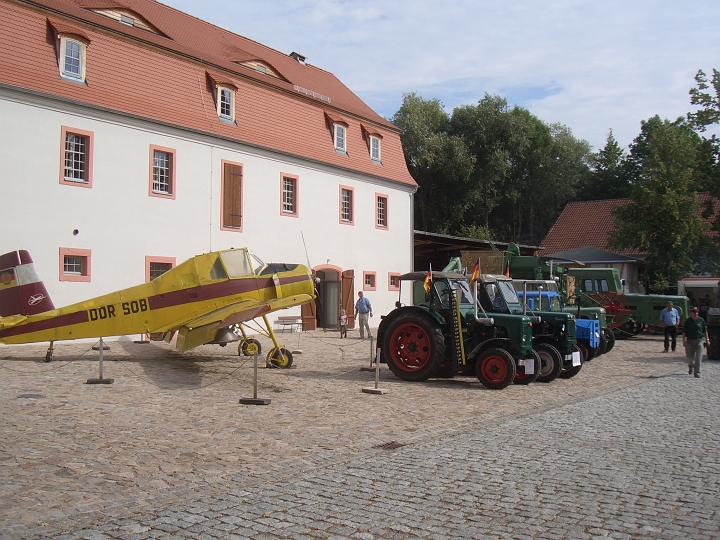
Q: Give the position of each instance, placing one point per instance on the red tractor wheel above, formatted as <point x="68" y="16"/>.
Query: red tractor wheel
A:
<point x="521" y="377"/>
<point x="414" y="347"/>
<point x="495" y="368"/>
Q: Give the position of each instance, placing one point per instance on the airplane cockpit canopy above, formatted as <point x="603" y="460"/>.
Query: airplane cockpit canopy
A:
<point x="235" y="264"/>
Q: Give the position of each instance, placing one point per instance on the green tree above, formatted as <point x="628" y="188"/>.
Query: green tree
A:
<point x="661" y="218"/>
<point x="486" y="128"/>
<point x="525" y="170"/>
<point x="608" y="178"/>
<point x="439" y="162"/>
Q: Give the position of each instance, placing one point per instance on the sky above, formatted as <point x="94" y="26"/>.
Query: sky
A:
<point x="590" y="65"/>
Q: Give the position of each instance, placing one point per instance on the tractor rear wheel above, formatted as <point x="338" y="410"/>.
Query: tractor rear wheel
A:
<point x="551" y="362"/>
<point x="495" y="368"/>
<point x="713" y="351"/>
<point x="414" y="347"/>
<point x="521" y="377"/>
<point x="571" y="372"/>
<point x="610" y="337"/>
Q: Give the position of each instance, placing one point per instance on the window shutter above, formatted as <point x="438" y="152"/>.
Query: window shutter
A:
<point x="232" y="196"/>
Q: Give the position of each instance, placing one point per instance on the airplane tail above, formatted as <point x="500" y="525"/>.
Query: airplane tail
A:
<point x="21" y="291"/>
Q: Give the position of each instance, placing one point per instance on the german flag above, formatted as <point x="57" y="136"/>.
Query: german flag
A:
<point x="507" y="269"/>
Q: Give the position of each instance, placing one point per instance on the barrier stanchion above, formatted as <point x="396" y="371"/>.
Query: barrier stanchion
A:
<point x="254" y="400"/>
<point x="376" y="389"/>
<point x="101" y="380"/>
<point x="371" y="367"/>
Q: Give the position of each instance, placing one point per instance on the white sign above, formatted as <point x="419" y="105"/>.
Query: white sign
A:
<point x="576" y="358"/>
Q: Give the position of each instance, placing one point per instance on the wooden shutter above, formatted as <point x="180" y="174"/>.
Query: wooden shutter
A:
<point x="308" y="312"/>
<point x="232" y="196"/>
<point x="348" y="296"/>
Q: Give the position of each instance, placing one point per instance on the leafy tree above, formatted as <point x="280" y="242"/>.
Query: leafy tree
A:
<point x="439" y="162"/>
<point x="475" y="231"/>
<point x="709" y="112"/>
<point x="525" y="170"/>
<point x="662" y="218"/>
<point x="609" y="176"/>
<point x="486" y="128"/>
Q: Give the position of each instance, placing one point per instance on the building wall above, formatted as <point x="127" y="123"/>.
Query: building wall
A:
<point x="118" y="220"/>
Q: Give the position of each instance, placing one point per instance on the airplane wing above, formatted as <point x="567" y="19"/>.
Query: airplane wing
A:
<point x="203" y="328"/>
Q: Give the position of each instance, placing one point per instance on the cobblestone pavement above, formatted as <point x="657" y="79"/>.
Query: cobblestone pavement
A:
<point x="627" y="449"/>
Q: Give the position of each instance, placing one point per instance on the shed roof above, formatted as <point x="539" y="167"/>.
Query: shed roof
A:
<point x="588" y="224"/>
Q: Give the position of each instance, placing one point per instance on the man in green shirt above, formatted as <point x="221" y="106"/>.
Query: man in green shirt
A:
<point x="694" y="335"/>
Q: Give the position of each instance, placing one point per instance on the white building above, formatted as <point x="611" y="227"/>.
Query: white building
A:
<point x="135" y="136"/>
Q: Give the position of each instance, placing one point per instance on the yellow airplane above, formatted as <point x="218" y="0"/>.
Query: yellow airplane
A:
<point x="206" y="299"/>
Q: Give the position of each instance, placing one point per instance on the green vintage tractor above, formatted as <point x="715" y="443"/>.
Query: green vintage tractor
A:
<point x="443" y="333"/>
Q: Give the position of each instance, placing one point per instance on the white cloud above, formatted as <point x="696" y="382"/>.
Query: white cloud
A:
<point x="590" y="65"/>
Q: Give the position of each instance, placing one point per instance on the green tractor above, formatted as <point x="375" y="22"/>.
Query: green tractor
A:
<point x="443" y="333"/>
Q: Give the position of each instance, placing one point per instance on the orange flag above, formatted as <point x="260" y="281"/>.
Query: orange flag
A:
<point x="428" y="280"/>
<point x="476" y="273"/>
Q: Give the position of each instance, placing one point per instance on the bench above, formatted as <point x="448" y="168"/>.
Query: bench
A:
<point x="290" y="321"/>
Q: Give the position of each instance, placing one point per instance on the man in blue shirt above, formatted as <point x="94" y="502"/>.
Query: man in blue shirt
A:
<point x="362" y="310"/>
<point x="670" y="319"/>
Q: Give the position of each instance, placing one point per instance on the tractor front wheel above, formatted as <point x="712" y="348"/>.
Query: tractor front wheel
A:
<point x="551" y="362"/>
<point x="571" y="372"/>
<point x="583" y="350"/>
<point x="414" y="347"/>
<point x="495" y="368"/>
<point x="610" y="337"/>
<point x="521" y="377"/>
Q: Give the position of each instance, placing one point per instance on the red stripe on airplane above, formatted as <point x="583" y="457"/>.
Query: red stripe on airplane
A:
<point x="56" y="322"/>
<point x="218" y="290"/>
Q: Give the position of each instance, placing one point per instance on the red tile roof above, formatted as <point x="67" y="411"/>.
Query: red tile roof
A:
<point x="588" y="223"/>
<point x="163" y="77"/>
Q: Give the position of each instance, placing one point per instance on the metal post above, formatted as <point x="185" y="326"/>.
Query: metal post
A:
<point x="376" y="389"/>
<point x="101" y="380"/>
<point x="254" y="400"/>
<point x="102" y="346"/>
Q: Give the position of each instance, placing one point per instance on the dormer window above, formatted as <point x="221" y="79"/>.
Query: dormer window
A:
<point x="223" y="90"/>
<point x="340" y="138"/>
<point x="226" y="103"/>
<point x="375" y="149"/>
<point x="373" y="137"/>
<point x="72" y="59"/>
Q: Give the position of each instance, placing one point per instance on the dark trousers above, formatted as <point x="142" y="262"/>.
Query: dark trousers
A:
<point x="670" y="331"/>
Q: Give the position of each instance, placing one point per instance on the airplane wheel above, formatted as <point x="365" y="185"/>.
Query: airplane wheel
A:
<point x="48" y="356"/>
<point x="280" y="358"/>
<point x="249" y="347"/>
